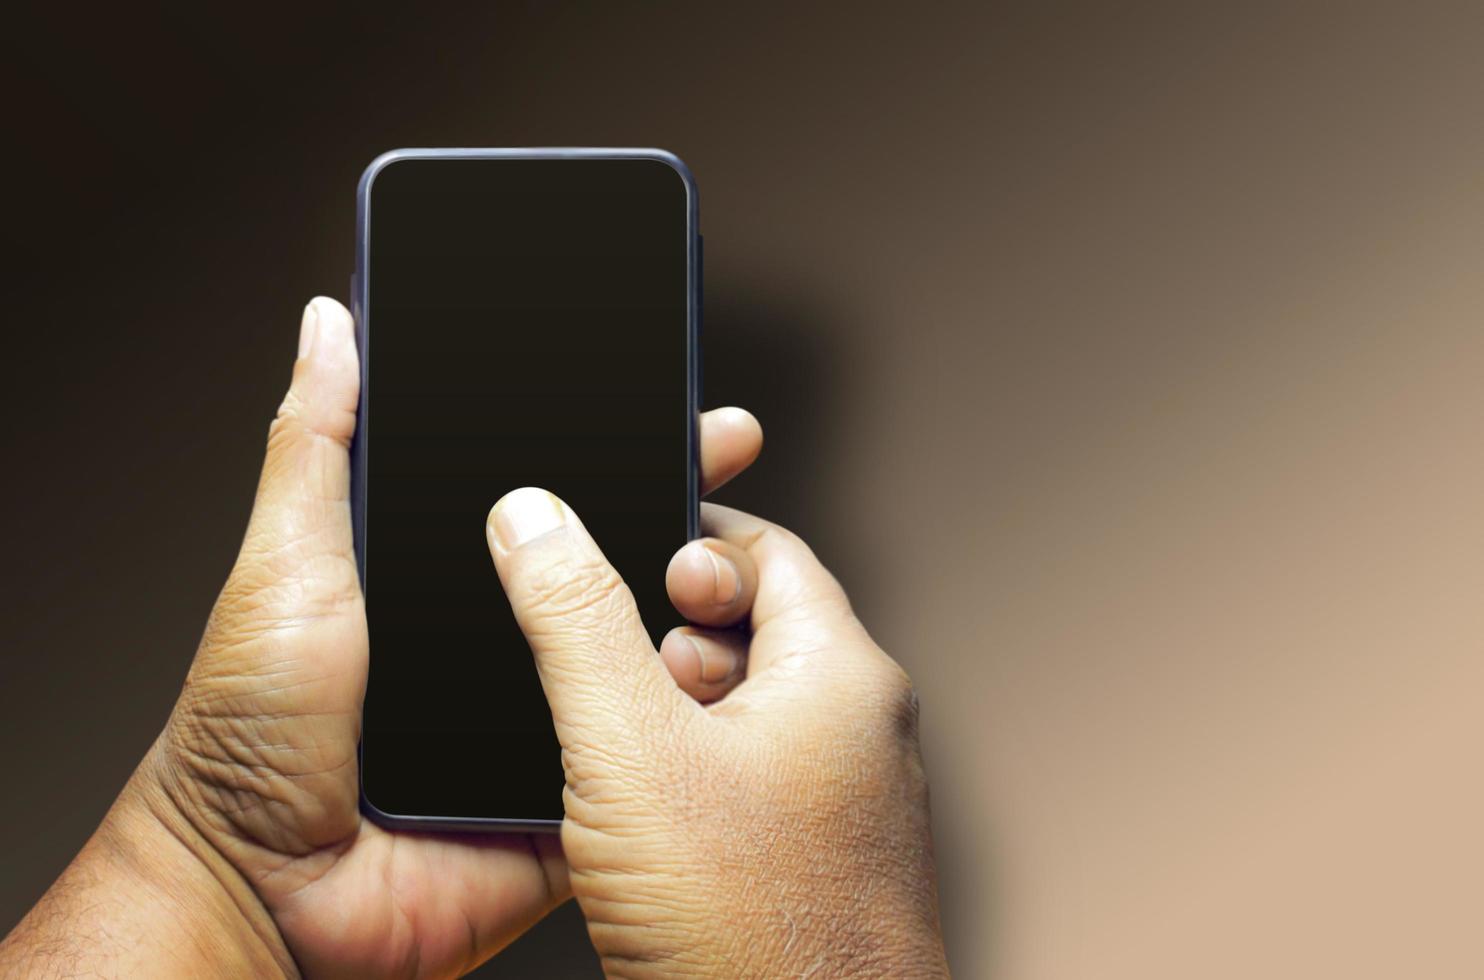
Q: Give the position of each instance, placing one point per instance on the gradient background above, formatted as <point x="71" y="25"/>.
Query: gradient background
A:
<point x="1124" y="361"/>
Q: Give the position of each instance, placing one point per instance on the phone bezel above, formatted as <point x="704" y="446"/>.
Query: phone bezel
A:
<point x="360" y="294"/>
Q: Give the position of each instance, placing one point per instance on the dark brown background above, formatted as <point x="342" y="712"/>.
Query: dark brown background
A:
<point x="1124" y="361"/>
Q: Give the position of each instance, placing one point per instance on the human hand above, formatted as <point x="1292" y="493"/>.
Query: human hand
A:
<point x="238" y="847"/>
<point x="780" y="830"/>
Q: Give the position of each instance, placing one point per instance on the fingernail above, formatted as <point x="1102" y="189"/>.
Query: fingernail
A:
<point x="333" y="329"/>
<point x="727" y="580"/>
<point x="712" y="669"/>
<point x="524" y="515"/>
<point x="308" y="327"/>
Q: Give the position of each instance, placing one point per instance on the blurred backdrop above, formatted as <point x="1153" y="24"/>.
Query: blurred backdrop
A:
<point x="1123" y="360"/>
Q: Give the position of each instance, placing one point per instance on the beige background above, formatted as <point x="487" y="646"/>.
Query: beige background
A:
<point x="1124" y="362"/>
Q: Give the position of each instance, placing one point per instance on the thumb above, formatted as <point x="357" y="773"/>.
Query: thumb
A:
<point x="601" y="673"/>
<point x="299" y="545"/>
<point x="276" y="685"/>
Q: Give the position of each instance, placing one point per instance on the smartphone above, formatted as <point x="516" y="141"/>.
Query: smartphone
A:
<point x="525" y="317"/>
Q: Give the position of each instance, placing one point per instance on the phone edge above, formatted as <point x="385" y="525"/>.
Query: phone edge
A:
<point x="359" y="295"/>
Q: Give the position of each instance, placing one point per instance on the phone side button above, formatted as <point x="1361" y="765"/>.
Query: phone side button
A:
<point x="700" y="315"/>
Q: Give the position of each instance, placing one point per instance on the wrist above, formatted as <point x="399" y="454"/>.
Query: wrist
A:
<point x="856" y="937"/>
<point x="749" y="926"/>
<point x="147" y="896"/>
<point x="203" y="896"/>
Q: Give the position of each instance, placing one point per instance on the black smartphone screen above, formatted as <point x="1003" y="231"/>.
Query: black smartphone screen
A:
<point x="526" y="322"/>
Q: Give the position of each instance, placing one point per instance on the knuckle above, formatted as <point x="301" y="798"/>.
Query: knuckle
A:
<point x="892" y="697"/>
<point x="272" y="589"/>
<point x="298" y="419"/>
<point x="580" y="587"/>
<point x="287" y="423"/>
<point x="601" y="774"/>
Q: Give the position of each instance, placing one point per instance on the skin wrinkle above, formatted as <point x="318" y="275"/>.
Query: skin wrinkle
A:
<point x="169" y="826"/>
<point x="292" y="424"/>
<point x="214" y="774"/>
<point x="405" y="917"/>
<point x="283" y="559"/>
<point x="551" y="889"/>
<point x="250" y="692"/>
<point x="174" y="821"/>
<point x="248" y="671"/>
<point x="472" y="938"/>
<point x="231" y="734"/>
<point x="277" y="577"/>
<point x="247" y="626"/>
<point x="256" y="732"/>
<point x="298" y="864"/>
<point x="569" y="606"/>
<point x="241" y="696"/>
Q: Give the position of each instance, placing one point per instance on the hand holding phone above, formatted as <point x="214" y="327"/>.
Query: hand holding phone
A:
<point x="786" y="824"/>
<point x="237" y="847"/>
<point x="256" y="770"/>
<point x="780" y="831"/>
